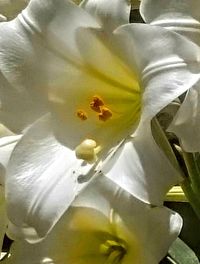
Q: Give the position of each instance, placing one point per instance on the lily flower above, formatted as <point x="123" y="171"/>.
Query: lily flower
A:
<point x="104" y="86"/>
<point x="182" y="17"/>
<point x="105" y="224"/>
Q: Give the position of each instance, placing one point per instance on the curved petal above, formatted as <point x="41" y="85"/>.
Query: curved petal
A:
<point x="57" y="22"/>
<point x="186" y="122"/>
<point x="182" y="17"/>
<point x="135" y="223"/>
<point x="43" y="178"/>
<point x="7" y="145"/>
<point x="167" y="71"/>
<point x="111" y="13"/>
<point x="172" y="9"/>
<point x="22" y="233"/>
<point x="141" y="168"/>
<point x="21" y="77"/>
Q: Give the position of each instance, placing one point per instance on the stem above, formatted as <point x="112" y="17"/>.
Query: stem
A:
<point x="162" y="141"/>
<point x="192" y="196"/>
<point x="193" y="171"/>
<point x="190" y="185"/>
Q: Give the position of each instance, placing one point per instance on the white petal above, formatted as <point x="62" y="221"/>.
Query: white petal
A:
<point x="167" y="70"/>
<point x="7" y="145"/>
<point x="141" y="168"/>
<point x="180" y="16"/>
<point x="58" y="21"/>
<point x="22" y="233"/>
<point x="111" y="13"/>
<point x="186" y="122"/>
<point x="154" y="9"/>
<point x="21" y="76"/>
<point x="42" y="179"/>
<point x="78" y="230"/>
<point x="157" y="228"/>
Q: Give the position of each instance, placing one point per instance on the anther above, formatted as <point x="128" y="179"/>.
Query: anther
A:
<point x="82" y="115"/>
<point x="96" y="104"/>
<point x="105" y="114"/>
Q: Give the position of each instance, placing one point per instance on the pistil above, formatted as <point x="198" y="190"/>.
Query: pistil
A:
<point x="87" y="150"/>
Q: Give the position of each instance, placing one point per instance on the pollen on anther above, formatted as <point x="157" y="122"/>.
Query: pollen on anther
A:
<point x="82" y="115"/>
<point x="96" y="104"/>
<point x="105" y="114"/>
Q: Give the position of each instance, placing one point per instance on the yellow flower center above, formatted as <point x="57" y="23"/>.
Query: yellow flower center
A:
<point x="99" y="102"/>
<point x="96" y="105"/>
<point x="88" y="236"/>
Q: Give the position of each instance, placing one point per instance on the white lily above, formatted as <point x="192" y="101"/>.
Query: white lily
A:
<point x="182" y="17"/>
<point x="103" y="89"/>
<point x="104" y="225"/>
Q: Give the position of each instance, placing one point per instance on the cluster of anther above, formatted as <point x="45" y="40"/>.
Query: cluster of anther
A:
<point x="114" y="251"/>
<point x="97" y="105"/>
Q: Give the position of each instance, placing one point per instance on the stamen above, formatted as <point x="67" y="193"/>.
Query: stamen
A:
<point x="96" y="104"/>
<point x="105" y="114"/>
<point x="113" y="250"/>
<point x="82" y="115"/>
<point x="87" y="150"/>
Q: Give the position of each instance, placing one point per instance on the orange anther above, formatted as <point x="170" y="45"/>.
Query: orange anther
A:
<point x="105" y="114"/>
<point x="96" y="104"/>
<point x="81" y="114"/>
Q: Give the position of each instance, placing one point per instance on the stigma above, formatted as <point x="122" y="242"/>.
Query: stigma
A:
<point x="87" y="150"/>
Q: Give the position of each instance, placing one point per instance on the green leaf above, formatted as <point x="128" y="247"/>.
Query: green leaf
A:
<point x="182" y="254"/>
